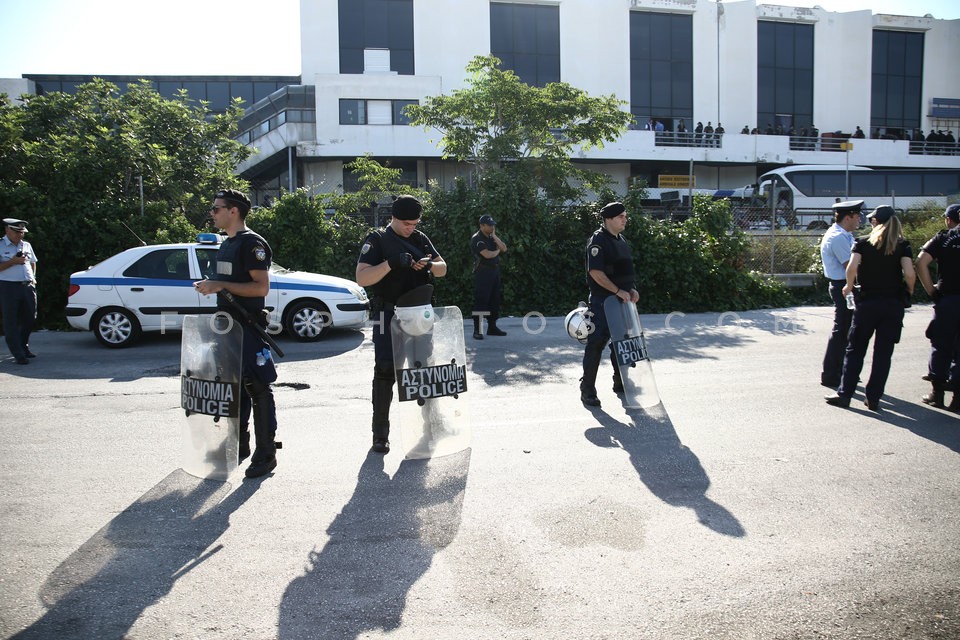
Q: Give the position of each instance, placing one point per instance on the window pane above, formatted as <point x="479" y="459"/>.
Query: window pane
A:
<point x="828" y="183"/>
<point x="399" y="117"/>
<point x="940" y="184"/>
<point x="904" y="183"/>
<point x="352" y="112"/>
<point x="866" y="184"/>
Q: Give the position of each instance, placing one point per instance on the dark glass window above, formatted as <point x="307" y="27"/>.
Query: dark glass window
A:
<point x="904" y="184"/>
<point x="218" y="93"/>
<point x="526" y="39"/>
<point x="376" y="24"/>
<point x="941" y="184"/>
<point x="164" y="264"/>
<point x="896" y="85"/>
<point x="243" y="90"/>
<point x="168" y="89"/>
<point x="829" y="183"/>
<point x="353" y="111"/>
<point x="196" y="90"/>
<point x="399" y="117"/>
<point x="867" y="184"/>
<point x="661" y="67"/>
<point x="784" y="74"/>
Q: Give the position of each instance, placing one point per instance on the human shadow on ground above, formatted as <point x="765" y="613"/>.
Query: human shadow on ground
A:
<point x="936" y="425"/>
<point x="378" y="547"/>
<point x="131" y="563"/>
<point x="667" y="467"/>
<point x="537" y="349"/>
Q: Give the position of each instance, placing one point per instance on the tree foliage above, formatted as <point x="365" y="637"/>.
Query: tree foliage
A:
<point x="498" y="118"/>
<point x="72" y="165"/>
<point x="323" y="233"/>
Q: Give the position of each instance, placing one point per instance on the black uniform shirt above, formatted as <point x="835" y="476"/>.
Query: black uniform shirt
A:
<point x="246" y="251"/>
<point x="945" y="249"/>
<point x="478" y="243"/>
<point x="383" y="244"/>
<point x="610" y="254"/>
<point x="881" y="275"/>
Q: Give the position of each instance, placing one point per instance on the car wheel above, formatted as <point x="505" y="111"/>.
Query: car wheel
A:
<point x="116" y="328"/>
<point x="308" y="321"/>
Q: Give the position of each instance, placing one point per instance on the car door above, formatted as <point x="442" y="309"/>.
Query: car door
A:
<point x="159" y="289"/>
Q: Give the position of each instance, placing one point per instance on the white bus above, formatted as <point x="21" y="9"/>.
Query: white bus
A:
<point x="809" y="191"/>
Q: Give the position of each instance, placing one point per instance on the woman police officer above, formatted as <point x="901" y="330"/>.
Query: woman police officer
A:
<point x="882" y="264"/>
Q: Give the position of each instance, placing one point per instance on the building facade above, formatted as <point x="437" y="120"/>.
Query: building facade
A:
<point x="764" y="67"/>
<point x="799" y="80"/>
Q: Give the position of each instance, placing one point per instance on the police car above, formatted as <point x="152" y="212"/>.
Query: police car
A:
<point x="151" y="288"/>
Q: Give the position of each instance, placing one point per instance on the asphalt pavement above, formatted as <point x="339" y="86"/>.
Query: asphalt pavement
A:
<point x="741" y="507"/>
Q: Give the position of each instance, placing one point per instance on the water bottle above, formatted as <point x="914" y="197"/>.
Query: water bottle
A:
<point x="850" y="302"/>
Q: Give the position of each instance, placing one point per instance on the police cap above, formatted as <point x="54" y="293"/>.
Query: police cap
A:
<point x="487" y="219"/>
<point x="848" y="206"/>
<point x="882" y="213"/>
<point x="952" y="212"/>
<point x="15" y="224"/>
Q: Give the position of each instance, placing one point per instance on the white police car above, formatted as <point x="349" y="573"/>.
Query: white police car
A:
<point x="151" y="289"/>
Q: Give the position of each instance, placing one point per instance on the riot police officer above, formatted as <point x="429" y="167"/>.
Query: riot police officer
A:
<point x="609" y="265"/>
<point x="393" y="261"/>
<point x="487" y="247"/>
<point x="243" y="268"/>
<point x="944" y="331"/>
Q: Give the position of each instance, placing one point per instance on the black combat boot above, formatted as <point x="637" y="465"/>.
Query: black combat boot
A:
<point x="264" y="458"/>
<point x="382" y="396"/>
<point x="243" y="443"/>
<point x="935" y="397"/>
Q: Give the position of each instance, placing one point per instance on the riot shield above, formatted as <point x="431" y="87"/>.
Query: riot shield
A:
<point x="210" y="366"/>
<point x="630" y="351"/>
<point x="431" y="368"/>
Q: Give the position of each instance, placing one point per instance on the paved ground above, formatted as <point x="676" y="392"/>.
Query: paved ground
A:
<point x="742" y="507"/>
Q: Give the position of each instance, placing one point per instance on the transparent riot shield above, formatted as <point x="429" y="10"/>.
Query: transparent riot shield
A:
<point x="430" y="363"/>
<point x="630" y="350"/>
<point x="210" y="362"/>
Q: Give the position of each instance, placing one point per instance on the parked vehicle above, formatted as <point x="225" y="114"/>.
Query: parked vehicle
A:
<point x="150" y="288"/>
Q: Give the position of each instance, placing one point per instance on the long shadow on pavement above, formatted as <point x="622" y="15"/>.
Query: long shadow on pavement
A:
<point x="665" y="465"/>
<point x="379" y="546"/>
<point x="937" y="426"/>
<point x="104" y="586"/>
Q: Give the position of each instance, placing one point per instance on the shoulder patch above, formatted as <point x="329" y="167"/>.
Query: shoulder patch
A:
<point x="365" y="248"/>
<point x="594" y="251"/>
<point x="259" y="253"/>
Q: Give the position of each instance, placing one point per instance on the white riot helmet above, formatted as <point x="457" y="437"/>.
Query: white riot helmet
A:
<point x="415" y="321"/>
<point x="414" y="311"/>
<point x="578" y="324"/>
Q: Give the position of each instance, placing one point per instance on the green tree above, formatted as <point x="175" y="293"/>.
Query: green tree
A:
<point x="497" y="121"/>
<point x="72" y="165"/>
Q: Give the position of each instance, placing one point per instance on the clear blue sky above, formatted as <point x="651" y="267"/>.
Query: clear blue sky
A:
<point x="214" y="37"/>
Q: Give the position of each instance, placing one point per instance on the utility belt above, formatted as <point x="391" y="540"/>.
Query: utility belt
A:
<point x="486" y="267"/>
<point x="25" y="283"/>
<point x="379" y="305"/>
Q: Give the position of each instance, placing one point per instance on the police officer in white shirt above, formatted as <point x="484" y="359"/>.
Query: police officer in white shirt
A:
<point x="835" y="254"/>
<point x="18" y="289"/>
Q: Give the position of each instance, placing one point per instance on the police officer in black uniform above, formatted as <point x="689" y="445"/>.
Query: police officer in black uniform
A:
<point x="609" y="264"/>
<point x="393" y="261"/>
<point x="243" y="268"/>
<point x="944" y="331"/>
<point x="486" y="247"/>
<point x="882" y="264"/>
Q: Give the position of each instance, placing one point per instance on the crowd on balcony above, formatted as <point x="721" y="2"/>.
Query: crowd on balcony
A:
<point x="937" y="142"/>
